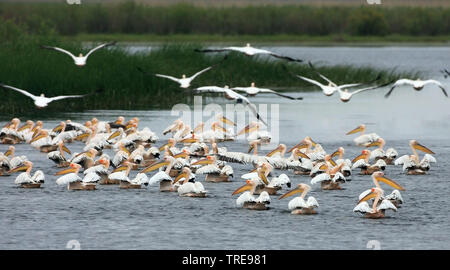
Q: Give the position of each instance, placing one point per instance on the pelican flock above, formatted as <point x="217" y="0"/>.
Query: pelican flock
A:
<point x="124" y="154"/>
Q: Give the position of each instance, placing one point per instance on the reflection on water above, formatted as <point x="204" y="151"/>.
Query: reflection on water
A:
<point x="110" y="218"/>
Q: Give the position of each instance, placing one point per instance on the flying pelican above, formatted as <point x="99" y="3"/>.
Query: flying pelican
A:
<point x="445" y="72"/>
<point x="230" y="94"/>
<point x="411" y="163"/>
<point x="298" y="206"/>
<point x="378" y="208"/>
<point x="253" y="91"/>
<point x="248" y="201"/>
<point x="80" y="60"/>
<point x="74" y="182"/>
<point x="42" y="101"/>
<point x="416" y="84"/>
<point x="363" y="139"/>
<point x="25" y="179"/>
<point x="250" y="51"/>
<point x="345" y="95"/>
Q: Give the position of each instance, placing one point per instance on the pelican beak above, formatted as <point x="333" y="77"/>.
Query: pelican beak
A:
<point x="189" y="140"/>
<point x="129" y="126"/>
<point x="312" y="142"/>
<point x="422" y="148"/>
<point x="368" y="197"/>
<point x="227" y="121"/>
<point x="181" y="175"/>
<point x="389" y="182"/>
<point x="204" y="161"/>
<point x="155" y="166"/>
<point x="181" y="155"/>
<point x="249" y="128"/>
<point x="82" y="136"/>
<point x="332" y="162"/>
<point x="373" y="144"/>
<point x="123" y="148"/>
<point x="66" y="171"/>
<point x="120" y="169"/>
<point x="242" y="189"/>
<point x="299" y="145"/>
<point x="35" y="132"/>
<point x="167" y="144"/>
<point x="37" y="138"/>
<point x="356" y="130"/>
<point x="24" y="127"/>
<point x="263" y="177"/>
<point x="276" y="150"/>
<point x="251" y="148"/>
<point x="65" y="149"/>
<point x="221" y="128"/>
<point x="18" y="169"/>
<point x="323" y="167"/>
<point x="335" y="153"/>
<point x="115" y="134"/>
<point x="58" y="128"/>
<point x="362" y="156"/>
<point x="290" y="193"/>
<point x="8" y="153"/>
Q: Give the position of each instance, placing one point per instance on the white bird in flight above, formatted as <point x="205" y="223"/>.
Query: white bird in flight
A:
<point x="79" y="60"/>
<point x="250" y="51"/>
<point x="41" y="101"/>
<point x="253" y="91"/>
<point x="416" y="84"/>
<point x="230" y="94"/>
<point x="345" y="95"/>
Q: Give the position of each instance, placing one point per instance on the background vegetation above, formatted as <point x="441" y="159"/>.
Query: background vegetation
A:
<point x="129" y="17"/>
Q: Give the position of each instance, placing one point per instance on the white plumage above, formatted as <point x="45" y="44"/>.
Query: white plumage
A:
<point x="158" y="177"/>
<point x="25" y="178"/>
<point x="190" y="187"/>
<point x="299" y="202"/>
<point x="68" y="178"/>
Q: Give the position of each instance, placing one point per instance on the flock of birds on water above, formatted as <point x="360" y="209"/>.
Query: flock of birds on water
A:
<point x="176" y="165"/>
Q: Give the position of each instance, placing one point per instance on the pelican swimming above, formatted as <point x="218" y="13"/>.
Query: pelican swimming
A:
<point x="362" y="162"/>
<point x="190" y="187"/>
<point x="253" y="91"/>
<point x="250" y="51"/>
<point x="347" y="167"/>
<point x="389" y="156"/>
<point x="58" y="155"/>
<point x="162" y="177"/>
<point x="363" y="139"/>
<point x="230" y="94"/>
<point x="248" y="201"/>
<point x="74" y="182"/>
<point x="416" y="84"/>
<point x="212" y="170"/>
<point x="122" y="174"/>
<point x="298" y="206"/>
<point x="379" y="205"/>
<point x="79" y="60"/>
<point x="25" y="179"/>
<point x="412" y="164"/>
<point x="331" y="178"/>
<point x="41" y="101"/>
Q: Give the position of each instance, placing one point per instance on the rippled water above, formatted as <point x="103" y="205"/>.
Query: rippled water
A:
<point x="109" y="218"/>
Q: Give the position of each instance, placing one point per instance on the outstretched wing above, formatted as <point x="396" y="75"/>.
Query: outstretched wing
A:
<point x="99" y="47"/>
<point x="200" y="72"/>
<point x="370" y="88"/>
<point x="212" y="50"/>
<point x="247" y="102"/>
<point x="265" y="90"/>
<point x="318" y="73"/>
<point x="58" y="49"/>
<point x="311" y="81"/>
<point x="19" y="90"/>
<point x="286" y="57"/>
<point x="439" y="84"/>
<point x="64" y="97"/>
<point x="168" y="77"/>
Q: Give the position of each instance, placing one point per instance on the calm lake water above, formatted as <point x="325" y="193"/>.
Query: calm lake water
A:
<point x="109" y="218"/>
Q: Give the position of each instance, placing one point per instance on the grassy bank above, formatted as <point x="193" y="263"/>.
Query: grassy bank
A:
<point x="298" y="40"/>
<point x="304" y="20"/>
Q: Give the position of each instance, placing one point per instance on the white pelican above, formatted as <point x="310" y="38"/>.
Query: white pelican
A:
<point x="253" y="129"/>
<point x="250" y="51"/>
<point x="253" y="91"/>
<point x="298" y="206"/>
<point x="5" y="167"/>
<point x="25" y="179"/>
<point x="162" y="177"/>
<point x="9" y="133"/>
<point x="362" y="162"/>
<point x="58" y="155"/>
<point x="248" y="201"/>
<point x="212" y="170"/>
<point x="102" y="171"/>
<point x="41" y="101"/>
<point x="345" y="95"/>
<point x="230" y="94"/>
<point x="13" y="160"/>
<point x="122" y="173"/>
<point x="363" y="139"/>
<point x="416" y="84"/>
<point x="389" y="156"/>
<point x="412" y="163"/>
<point x="74" y="182"/>
<point x="347" y="167"/>
<point x="331" y="178"/>
<point x="378" y="208"/>
<point x="190" y="187"/>
<point x="184" y="82"/>
<point x="79" y="60"/>
<point x="85" y="159"/>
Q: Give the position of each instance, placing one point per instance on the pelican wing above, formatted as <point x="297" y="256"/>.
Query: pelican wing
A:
<point x="363" y="208"/>
<point x="64" y="97"/>
<point x="370" y="88"/>
<point x="319" y="178"/>
<point x="311" y="81"/>
<point x="99" y="47"/>
<point x="266" y="90"/>
<point x="286" y="57"/>
<point x="168" y="77"/>
<point x="214" y="50"/>
<point x="385" y="205"/>
<point x="321" y="76"/>
<point x="438" y="84"/>
<point x="398" y="83"/>
<point x="19" y="90"/>
<point x="200" y="72"/>
<point x="59" y="50"/>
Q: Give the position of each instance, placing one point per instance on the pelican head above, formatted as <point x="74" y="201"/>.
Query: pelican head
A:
<point x="80" y="55"/>
<point x="248" y="45"/>
<point x="360" y="128"/>
<point x="416" y="145"/>
<point x="183" y="76"/>
<point x="253" y="84"/>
